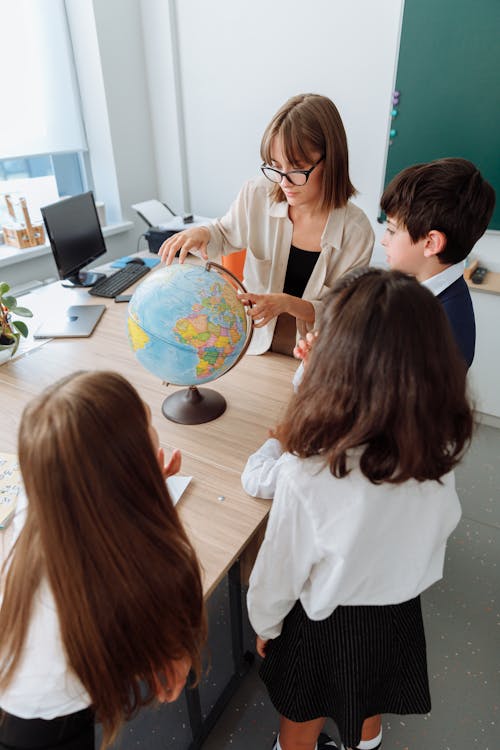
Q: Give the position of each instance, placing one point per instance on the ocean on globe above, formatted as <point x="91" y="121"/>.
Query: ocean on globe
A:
<point x="186" y="324"/>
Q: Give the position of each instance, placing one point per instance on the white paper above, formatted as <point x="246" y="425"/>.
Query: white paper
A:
<point x="176" y="486"/>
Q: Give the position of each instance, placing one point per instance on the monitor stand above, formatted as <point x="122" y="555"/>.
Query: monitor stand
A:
<point x="83" y="278"/>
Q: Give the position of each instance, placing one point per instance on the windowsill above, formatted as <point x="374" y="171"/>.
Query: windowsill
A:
<point x="10" y="255"/>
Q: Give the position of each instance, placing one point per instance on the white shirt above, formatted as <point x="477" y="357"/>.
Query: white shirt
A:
<point x="441" y="281"/>
<point x="262" y="226"/>
<point x="43" y="685"/>
<point x="346" y="541"/>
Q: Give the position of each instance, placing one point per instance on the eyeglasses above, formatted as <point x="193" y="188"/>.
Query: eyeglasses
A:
<point x="295" y="176"/>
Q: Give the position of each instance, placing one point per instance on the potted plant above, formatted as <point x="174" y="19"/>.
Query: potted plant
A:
<point x="11" y="330"/>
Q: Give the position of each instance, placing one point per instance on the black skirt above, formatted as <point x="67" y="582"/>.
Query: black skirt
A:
<point x="359" y="662"/>
<point x="71" y="732"/>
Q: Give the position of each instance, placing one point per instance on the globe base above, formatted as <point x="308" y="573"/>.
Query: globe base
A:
<point x="194" y="406"/>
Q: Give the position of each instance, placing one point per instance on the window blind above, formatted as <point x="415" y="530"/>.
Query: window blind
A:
<point x="40" y="99"/>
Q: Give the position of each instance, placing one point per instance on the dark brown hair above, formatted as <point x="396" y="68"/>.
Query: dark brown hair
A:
<point x="385" y="374"/>
<point x="448" y="195"/>
<point x="101" y="528"/>
<point x="307" y="123"/>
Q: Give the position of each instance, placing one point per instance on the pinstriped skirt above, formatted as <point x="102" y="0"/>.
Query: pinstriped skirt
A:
<point x="359" y="662"/>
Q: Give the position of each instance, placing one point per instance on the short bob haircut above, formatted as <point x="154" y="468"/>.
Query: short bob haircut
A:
<point x="384" y="376"/>
<point x="448" y="195"/>
<point x="308" y="123"/>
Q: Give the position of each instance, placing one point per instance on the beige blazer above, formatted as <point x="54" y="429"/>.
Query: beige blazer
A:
<point x="262" y="226"/>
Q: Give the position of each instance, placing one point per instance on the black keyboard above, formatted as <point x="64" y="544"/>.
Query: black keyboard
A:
<point x="119" y="281"/>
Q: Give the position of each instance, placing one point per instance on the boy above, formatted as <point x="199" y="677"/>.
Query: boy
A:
<point x="436" y="212"/>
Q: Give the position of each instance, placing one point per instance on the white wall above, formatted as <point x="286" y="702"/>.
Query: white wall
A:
<point x="240" y="61"/>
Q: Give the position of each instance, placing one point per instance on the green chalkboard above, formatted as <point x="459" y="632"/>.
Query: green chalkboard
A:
<point x="448" y="78"/>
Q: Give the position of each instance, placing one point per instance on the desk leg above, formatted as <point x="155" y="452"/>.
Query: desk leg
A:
<point x="241" y="661"/>
<point x="201" y="727"/>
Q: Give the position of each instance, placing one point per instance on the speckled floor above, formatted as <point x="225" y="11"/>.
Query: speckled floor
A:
<point x="463" y="635"/>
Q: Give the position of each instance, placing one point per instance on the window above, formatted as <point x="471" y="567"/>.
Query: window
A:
<point x="43" y="151"/>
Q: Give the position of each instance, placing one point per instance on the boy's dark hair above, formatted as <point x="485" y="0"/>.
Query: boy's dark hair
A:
<point x="449" y="195"/>
<point x="385" y="376"/>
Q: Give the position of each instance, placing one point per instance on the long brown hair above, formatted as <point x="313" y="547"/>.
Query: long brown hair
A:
<point x="101" y="528"/>
<point x="307" y="123"/>
<point x="385" y="375"/>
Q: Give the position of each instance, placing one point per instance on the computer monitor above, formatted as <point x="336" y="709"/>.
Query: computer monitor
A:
<point x="75" y="237"/>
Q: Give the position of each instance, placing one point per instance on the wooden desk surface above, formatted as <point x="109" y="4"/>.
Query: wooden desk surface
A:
<point x="214" y="453"/>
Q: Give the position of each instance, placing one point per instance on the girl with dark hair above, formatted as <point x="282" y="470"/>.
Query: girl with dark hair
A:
<point x="102" y="608"/>
<point x="299" y="227"/>
<point x="361" y="470"/>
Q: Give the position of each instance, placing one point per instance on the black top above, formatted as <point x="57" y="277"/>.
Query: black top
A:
<point x="299" y="269"/>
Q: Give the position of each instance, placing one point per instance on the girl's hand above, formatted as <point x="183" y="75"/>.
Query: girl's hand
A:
<point x="304" y="346"/>
<point x="176" y="675"/>
<point x="260" y="645"/>
<point x="265" y="307"/>
<point x="174" y="464"/>
<point x="189" y="240"/>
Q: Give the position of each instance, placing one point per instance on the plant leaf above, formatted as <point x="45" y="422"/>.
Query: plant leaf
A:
<point x="10" y="302"/>
<point x="21" y="327"/>
<point x="22" y="311"/>
<point x="16" y="345"/>
<point x="4" y="287"/>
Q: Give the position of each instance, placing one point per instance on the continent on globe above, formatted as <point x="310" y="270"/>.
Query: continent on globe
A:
<point x="213" y="328"/>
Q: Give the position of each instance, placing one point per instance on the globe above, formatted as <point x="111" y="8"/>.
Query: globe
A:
<point x="187" y="325"/>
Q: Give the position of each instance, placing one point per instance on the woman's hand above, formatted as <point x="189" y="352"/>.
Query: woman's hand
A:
<point x="265" y="307"/>
<point x="260" y="645"/>
<point x="176" y="675"/>
<point x="304" y="346"/>
<point x="174" y="464"/>
<point x="189" y="240"/>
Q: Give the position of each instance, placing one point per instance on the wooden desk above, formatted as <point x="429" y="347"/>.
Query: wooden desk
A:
<point x="214" y="453"/>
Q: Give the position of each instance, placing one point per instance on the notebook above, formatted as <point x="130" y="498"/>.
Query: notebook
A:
<point x="75" y="321"/>
<point x="10" y="482"/>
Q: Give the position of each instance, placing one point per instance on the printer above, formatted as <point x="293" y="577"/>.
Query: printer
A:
<point x="163" y="222"/>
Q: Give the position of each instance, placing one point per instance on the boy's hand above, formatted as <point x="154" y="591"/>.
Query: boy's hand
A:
<point x="304" y="346"/>
<point x="174" y="464"/>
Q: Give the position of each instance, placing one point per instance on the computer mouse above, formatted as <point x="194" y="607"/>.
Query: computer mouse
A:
<point x="136" y="260"/>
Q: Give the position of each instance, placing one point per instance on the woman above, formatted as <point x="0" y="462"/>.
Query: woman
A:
<point x="102" y="607"/>
<point x="300" y="230"/>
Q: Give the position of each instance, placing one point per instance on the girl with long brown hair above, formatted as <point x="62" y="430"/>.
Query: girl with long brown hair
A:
<point x="102" y="608"/>
<point x="361" y="470"/>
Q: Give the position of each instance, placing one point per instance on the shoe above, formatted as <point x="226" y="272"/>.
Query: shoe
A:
<point x="326" y="743"/>
<point x="377" y="747"/>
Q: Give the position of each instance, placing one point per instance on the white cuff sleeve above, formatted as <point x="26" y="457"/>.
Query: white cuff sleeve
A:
<point x="262" y="468"/>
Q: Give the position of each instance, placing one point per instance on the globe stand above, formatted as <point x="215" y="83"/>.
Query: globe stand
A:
<point x="194" y="406"/>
